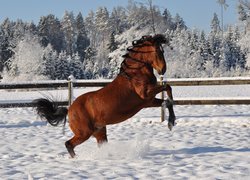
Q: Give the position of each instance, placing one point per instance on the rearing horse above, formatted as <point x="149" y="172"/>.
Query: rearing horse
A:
<point x="133" y="89"/>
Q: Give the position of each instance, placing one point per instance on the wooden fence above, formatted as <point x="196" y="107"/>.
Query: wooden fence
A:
<point x="90" y="83"/>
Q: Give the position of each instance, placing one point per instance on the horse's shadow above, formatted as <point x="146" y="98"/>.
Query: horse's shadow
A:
<point x="199" y="150"/>
<point x="23" y="125"/>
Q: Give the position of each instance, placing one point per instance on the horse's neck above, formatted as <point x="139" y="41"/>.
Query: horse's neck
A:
<point x="137" y="70"/>
<point x="146" y="74"/>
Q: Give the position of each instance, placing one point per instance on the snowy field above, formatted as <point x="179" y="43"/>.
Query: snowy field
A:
<point x="209" y="142"/>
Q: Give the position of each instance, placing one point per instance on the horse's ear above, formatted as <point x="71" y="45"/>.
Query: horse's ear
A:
<point x="130" y="48"/>
<point x="160" y="39"/>
<point x="146" y="37"/>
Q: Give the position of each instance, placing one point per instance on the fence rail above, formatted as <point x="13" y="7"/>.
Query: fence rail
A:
<point x="94" y="83"/>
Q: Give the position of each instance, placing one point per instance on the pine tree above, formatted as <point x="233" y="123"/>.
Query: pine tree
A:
<point x="49" y="29"/>
<point x="50" y="57"/>
<point x="193" y="41"/>
<point x="75" y="66"/>
<point x="18" y="29"/>
<point x="112" y="43"/>
<point x="69" y="30"/>
<point x="91" y="28"/>
<point x="102" y="24"/>
<point x="215" y="43"/>
<point x="32" y="28"/>
<point x="203" y="50"/>
<point x="179" y="22"/>
<point x="168" y="20"/>
<point x="242" y="13"/>
<point x="138" y="16"/>
<point x="62" y="71"/>
<point x="215" y="24"/>
<point x="82" y="41"/>
<point x="89" y="64"/>
<point x="233" y="56"/>
<point x="8" y="43"/>
<point x="118" y="20"/>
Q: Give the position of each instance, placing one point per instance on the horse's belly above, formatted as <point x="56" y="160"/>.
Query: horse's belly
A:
<point x="111" y="105"/>
<point x="112" y="112"/>
<point x="118" y="116"/>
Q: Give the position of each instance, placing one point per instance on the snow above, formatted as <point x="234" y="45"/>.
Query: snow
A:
<point x="208" y="142"/>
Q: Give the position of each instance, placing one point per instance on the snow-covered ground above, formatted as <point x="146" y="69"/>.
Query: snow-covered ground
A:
<point x="209" y="142"/>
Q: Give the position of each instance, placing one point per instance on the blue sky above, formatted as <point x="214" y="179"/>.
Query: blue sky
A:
<point x="196" y="13"/>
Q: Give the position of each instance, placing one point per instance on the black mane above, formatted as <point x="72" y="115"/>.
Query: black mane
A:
<point x="158" y="39"/>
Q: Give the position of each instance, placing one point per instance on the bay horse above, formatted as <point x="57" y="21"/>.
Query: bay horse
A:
<point x="134" y="88"/>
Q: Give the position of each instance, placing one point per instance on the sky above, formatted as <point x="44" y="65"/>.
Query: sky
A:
<point x="196" y="13"/>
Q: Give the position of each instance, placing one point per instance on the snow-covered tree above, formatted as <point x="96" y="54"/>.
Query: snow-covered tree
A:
<point x="8" y="43"/>
<point x="50" y="57"/>
<point x="102" y="24"/>
<point x="204" y="50"/>
<point x="215" y="24"/>
<point x="69" y="30"/>
<point x="118" y="20"/>
<point x="91" y="28"/>
<point x="82" y="41"/>
<point x="112" y="45"/>
<point x="62" y="71"/>
<point x="244" y="13"/>
<point x="233" y="57"/>
<point x="27" y="64"/>
<point x="168" y="20"/>
<point x="138" y="15"/>
<point x="75" y="66"/>
<point x="49" y="30"/>
<point x="178" y="56"/>
<point x="179" y="23"/>
<point x="215" y="43"/>
<point x="90" y="64"/>
<point x="244" y="43"/>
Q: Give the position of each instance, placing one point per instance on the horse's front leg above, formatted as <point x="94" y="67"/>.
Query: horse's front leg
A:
<point x="153" y="90"/>
<point x="171" y="118"/>
<point x="169" y="104"/>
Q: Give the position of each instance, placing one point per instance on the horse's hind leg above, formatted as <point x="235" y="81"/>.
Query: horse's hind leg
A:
<point x="101" y="136"/>
<point x="73" y="142"/>
<point x="81" y="126"/>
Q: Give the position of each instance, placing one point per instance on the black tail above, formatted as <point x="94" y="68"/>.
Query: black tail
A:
<point x="49" y="110"/>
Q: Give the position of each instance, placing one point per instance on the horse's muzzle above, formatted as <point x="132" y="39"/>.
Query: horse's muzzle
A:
<point x="162" y="71"/>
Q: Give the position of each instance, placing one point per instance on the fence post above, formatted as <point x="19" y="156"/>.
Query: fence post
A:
<point x="70" y="89"/>
<point x="163" y="106"/>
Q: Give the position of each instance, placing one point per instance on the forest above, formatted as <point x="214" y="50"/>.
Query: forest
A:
<point x="92" y="47"/>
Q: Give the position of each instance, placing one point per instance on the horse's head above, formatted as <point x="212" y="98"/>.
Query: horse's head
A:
<point x="148" y="50"/>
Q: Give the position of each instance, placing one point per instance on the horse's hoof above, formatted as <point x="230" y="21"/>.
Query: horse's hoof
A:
<point x="170" y="126"/>
<point x="171" y="123"/>
<point x="70" y="149"/>
<point x="71" y="153"/>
